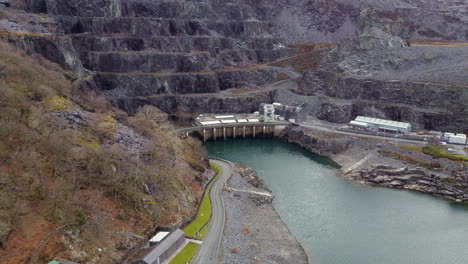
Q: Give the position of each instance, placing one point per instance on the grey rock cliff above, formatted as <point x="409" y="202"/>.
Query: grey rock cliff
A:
<point x="320" y="143"/>
<point x="378" y="74"/>
<point x="136" y="49"/>
<point x="417" y="179"/>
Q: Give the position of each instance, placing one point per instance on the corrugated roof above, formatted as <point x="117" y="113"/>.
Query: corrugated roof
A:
<point x="153" y="253"/>
<point x="359" y="123"/>
<point x="378" y="121"/>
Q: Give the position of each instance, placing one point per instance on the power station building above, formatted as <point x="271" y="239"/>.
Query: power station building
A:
<point x="284" y="112"/>
<point x="382" y="125"/>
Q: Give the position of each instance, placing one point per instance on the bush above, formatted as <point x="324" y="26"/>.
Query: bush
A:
<point x="80" y="218"/>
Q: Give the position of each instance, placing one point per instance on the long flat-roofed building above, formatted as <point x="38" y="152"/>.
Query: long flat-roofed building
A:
<point x="371" y="123"/>
<point x="163" y="249"/>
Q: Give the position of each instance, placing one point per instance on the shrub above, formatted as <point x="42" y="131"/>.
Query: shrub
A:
<point x="235" y="250"/>
<point x="80" y="218"/>
<point x="38" y="192"/>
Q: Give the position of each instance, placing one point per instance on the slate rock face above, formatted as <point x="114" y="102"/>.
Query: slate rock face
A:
<point x="363" y="75"/>
<point x="417" y="179"/>
<point x="143" y="48"/>
<point x="372" y="49"/>
<point x="153" y="37"/>
<point x="316" y="142"/>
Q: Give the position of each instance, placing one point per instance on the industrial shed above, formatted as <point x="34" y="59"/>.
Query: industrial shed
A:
<point x="158" y="253"/>
<point x="370" y="123"/>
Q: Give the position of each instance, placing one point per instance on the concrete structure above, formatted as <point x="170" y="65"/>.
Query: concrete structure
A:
<point x="235" y="126"/>
<point x="376" y="124"/>
<point x="268" y="113"/>
<point x="158" y="253"/>
<point x="286" y="112"/>
<point x="252" y="129"/>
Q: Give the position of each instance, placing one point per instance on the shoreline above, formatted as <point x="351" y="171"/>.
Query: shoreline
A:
<point x="254" y="231"/>
<point x="363" y="161"/>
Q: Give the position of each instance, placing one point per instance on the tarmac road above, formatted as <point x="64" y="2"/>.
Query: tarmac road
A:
<point x="209" y="251"/>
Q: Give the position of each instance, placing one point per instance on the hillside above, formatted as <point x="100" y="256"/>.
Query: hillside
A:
<point x="70" y="161"/>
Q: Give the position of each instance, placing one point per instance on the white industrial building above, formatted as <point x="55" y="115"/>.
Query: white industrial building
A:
<point x="455" y="138"/>
<point x="377" y="124"/>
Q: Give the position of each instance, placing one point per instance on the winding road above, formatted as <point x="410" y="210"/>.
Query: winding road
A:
<point x="209" y="251"/>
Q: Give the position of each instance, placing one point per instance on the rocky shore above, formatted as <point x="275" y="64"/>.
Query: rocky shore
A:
<point x="387" y="164"/>
<point x="254" y="232"/>
<point x="416" y="179"/>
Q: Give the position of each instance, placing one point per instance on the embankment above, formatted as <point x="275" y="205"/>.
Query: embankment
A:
<point x="254" y="231"/>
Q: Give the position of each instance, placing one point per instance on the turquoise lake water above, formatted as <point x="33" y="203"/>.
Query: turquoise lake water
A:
<point x="340" y="222"/>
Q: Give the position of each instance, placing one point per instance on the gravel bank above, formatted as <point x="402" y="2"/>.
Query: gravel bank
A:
<point x="254" y="232"/>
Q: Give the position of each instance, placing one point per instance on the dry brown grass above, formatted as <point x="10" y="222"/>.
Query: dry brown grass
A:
<point x="281" y="76"/>
<point x="15" y="33"/>
<point x="235" y="250"/>
<point x="50" y="171"/>
<point x="253" y="244"/>
<point x="245" y="229"/>
<point x="300" y="62"/>
<point x="308" y="47"/>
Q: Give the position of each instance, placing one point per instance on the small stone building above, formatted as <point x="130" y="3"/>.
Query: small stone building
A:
<point x="158" y="253"/>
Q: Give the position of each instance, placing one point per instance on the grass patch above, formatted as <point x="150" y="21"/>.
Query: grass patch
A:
<point x="440" y="152"/>
<point x="186" y="255"/>
<point x="412" y="148"/>
<point x="107" y="123"/>
<point x="202" y="232"/>
<point x="204" y="211"/>
<point x="411" y="160"/>
<point x="87" y="141"/>
<point x="58" y="103"/>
